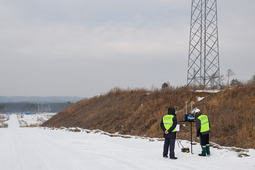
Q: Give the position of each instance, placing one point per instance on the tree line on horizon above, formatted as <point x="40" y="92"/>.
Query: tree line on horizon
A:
<point x="229" y="82"/>
<point x="33" y="107"/>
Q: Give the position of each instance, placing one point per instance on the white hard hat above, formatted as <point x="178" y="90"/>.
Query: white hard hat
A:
<point x="196" y="110"/>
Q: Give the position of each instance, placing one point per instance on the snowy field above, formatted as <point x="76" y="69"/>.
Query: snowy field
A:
<point x="46" y="149"/>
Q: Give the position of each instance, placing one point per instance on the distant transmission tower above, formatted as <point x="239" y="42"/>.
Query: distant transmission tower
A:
<point x="203" y="62"/>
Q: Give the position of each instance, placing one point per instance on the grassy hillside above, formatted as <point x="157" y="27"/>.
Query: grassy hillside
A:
<point x="139" y="112"/>
<point x="232" y="114"/>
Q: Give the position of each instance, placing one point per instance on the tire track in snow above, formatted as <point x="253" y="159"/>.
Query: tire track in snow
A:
<point x="28" y="150"/>
<point x="18" y="148"/>
<point x="31" y="151"/>
<point x="51" y="152"/>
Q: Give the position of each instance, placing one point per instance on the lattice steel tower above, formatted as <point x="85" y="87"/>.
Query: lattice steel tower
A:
<point x="203" y="62"/>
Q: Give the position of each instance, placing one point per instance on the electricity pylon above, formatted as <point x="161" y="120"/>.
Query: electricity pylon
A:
<point x="203" y="61"/>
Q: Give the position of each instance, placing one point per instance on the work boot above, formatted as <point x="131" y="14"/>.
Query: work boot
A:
<point x="203" y="151"/>
<point x="208" y="150"/>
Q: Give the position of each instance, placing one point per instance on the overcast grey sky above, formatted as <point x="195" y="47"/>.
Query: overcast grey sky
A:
<point x="85" y="48"/>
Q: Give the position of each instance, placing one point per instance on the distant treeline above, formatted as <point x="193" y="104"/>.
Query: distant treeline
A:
<point x="39" y="99"/>
<point x="33" y="107"/>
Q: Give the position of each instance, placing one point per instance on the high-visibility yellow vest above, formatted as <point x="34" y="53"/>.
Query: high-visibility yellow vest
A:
<point x="168" y="122"/>
<point x="204" y="123"/>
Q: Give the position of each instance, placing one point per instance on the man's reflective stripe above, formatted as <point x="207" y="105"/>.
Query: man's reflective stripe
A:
<point x="204" y="123"/>
<point x="168" y="123"/>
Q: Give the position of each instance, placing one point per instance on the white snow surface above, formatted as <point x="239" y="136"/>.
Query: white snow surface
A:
<point x="208" y="91"/>
<point x="44" y="149"/>
<point x="200" y="98"/>
<point x="34" y="119"/>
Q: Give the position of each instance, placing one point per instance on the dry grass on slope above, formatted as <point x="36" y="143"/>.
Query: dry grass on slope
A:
<point x="232" y="116"/>
<point x="139" y="112"/>
<point x="135" y="112"/>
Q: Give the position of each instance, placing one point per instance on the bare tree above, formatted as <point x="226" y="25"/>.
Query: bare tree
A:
<point x="235" y="82"/>
<point x="229" y="74"/>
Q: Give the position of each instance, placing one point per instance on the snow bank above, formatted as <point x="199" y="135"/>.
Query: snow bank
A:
<point x="200" y="98"/>
<point x="3" y="119"/>
<point x="208" y="91"/>
<point x="34" y="119"/>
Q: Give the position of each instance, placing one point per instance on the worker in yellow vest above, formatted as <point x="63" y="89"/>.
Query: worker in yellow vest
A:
<point x="168" y="125"/>
<point x="203" y="131"/>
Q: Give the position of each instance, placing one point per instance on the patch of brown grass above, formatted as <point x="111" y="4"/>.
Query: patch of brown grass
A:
<point x="233" y="118"/>
<point x="135" y="112"/>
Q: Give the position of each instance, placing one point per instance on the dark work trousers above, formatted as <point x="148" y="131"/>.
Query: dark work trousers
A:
<point x="171" y="143"/>
<point x="204" y="140"/>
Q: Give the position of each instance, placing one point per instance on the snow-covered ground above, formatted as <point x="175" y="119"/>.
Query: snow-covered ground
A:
<point x="208" y="91"/>
<point x="34" y="119"/>
<point x="45" y="149"/>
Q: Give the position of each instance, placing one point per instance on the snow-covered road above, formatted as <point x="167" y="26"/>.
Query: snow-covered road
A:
<point x="32" y="149"/>
<point x="40" y="149"/>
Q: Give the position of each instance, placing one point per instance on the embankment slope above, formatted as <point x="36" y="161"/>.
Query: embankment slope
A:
<point x="139" y="112"/>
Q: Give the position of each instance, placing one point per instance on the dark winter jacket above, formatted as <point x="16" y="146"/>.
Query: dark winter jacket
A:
<point x="170" y="135"/>
<point x="198" y="125"/>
